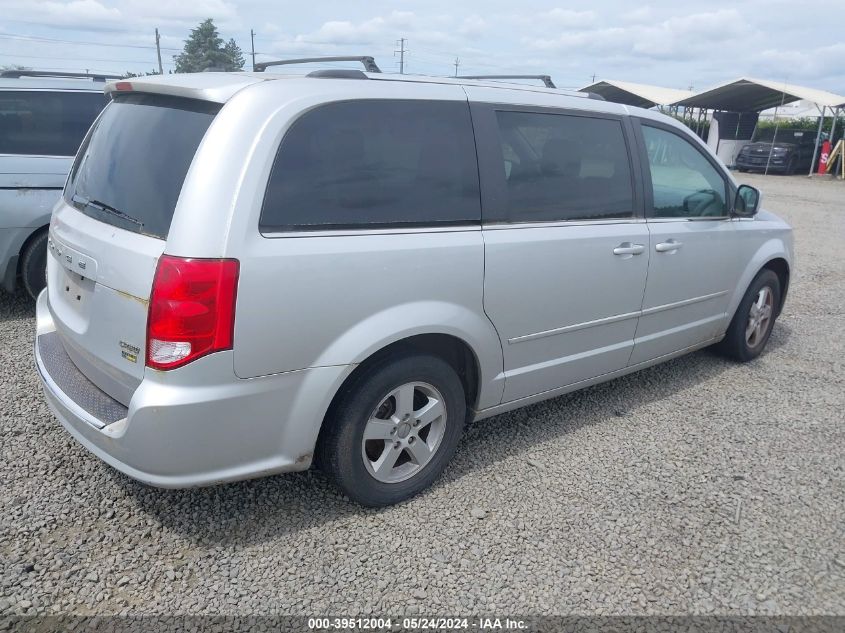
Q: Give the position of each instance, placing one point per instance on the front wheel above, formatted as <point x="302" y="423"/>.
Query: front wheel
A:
<point x="754" y="319"/>
<point x="394" y="429"/>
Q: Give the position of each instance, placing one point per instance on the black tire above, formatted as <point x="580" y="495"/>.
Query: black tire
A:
<point x="736" y="345"/>
<point x="34" y="265"/>
<point x="339" y="449"/>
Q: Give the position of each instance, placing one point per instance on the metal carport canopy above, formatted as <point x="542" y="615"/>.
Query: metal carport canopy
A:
<point x="639" y="95"/>
<point x="754" y="95"/>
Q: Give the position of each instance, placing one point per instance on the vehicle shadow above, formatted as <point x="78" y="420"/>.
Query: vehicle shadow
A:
<point x="253" y="512"/>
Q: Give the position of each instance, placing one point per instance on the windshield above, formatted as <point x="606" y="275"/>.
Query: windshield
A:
<point x="130" y="169"/>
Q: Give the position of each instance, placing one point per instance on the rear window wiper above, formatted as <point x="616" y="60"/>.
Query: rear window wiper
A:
<point x="102" y="206"/>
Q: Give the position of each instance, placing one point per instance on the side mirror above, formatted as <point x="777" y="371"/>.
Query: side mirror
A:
<point x="747" y="201"/>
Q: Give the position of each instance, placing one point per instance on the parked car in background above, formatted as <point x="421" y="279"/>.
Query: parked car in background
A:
<point x="791" y="151"/>
<point x="248" y="273"/>
<point x="43" y="119"/>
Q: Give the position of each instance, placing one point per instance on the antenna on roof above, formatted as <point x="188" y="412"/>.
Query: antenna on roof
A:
<point x="369" y="63"/>
<point x="546" y="79"/>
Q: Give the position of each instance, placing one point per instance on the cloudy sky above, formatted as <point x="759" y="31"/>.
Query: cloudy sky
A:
<point x="671" y="43"/>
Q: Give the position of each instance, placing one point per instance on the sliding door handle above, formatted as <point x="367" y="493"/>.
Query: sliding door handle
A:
<point x="668" y="246"/>
<point x="626" y="248"/>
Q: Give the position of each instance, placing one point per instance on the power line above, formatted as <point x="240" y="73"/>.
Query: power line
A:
<point x="33" y="38"/>
<point x="86" y="59"/>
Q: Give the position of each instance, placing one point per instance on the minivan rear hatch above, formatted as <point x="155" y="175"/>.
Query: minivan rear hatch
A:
<point x="110" y="229"/>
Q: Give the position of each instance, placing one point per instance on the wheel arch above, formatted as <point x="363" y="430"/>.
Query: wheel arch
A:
<point x="448" y="347"/>
<point x="438" y="324"/>
<point x="780" y="267"/>
<point x="774" y="255"/>
<point x="452" y="349"/>
<point x="36" y="233"/>
<point x="13" y="271"/>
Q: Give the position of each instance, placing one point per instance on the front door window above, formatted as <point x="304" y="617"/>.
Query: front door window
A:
<point x="685" y="184"/>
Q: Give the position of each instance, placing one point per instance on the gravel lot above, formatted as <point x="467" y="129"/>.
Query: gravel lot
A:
<point x="699" y="486"/>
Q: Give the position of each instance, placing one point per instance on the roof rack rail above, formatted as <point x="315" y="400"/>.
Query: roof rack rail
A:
<point x="369" y="63"/>
<point x="17" y="74"/>
<point x="546" y="79"/>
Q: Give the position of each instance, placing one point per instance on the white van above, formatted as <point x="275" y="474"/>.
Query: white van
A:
<point x="251" y="272"/>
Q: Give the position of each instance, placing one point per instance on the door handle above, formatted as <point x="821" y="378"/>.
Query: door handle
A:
<point x="626" y="248"/>
<point x="668" y="246"/>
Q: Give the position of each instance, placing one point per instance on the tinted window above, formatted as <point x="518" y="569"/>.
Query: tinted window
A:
<point x="684" y="182"/>
<point x="364" y="163"/>
<point x="136" y="158"/>
<point x="45" y="123"/>
<point x="560" y="167"/>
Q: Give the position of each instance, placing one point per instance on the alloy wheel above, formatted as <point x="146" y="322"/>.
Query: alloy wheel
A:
<point x="759" y="317"/>
<point x="404" y="432"/>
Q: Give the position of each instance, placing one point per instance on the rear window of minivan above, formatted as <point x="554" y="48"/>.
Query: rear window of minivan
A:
<point x="131" y="168"/>
<point x="375" y="163"/>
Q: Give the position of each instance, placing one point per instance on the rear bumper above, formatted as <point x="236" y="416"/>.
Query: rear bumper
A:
<point x="195" y="428"/>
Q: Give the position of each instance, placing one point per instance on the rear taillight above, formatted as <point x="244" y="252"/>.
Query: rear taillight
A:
<point x="192" y="310"/>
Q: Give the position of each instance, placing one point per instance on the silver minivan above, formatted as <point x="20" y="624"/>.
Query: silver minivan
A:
<point x="43" y="118"/>
<point x="249" y="273"/>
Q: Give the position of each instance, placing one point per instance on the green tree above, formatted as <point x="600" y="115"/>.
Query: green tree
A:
<point x="204" y="50"/>
<point x="235" y="55"/>
<point x="129" y="74"/>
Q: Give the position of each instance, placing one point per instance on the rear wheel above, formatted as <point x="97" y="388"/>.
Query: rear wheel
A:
<point x="394" y="429"/>
<point x="34" y="265"/>
<point x="754" y="319"/>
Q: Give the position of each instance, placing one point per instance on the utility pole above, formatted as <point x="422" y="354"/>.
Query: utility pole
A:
<point x="457" y="63"/>
<point x="252" y="41"/>
<point x="401" y="51"/>
<point x="594" y="77"/>
<point x="158" y="52"/>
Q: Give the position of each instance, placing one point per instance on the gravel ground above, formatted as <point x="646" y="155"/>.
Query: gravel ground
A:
<point x="699" y="486"/>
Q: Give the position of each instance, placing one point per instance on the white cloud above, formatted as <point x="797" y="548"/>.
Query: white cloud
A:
<point x="473" y="26"/>
<point x="640" y="14"/>
<point x="567" y="18"/>
<point x="669" y="43"/>
<point x="80" y="10"/>
<point x="793" y="65"/>
<point x="678" y="38"/>
<point x="75" y="13"/>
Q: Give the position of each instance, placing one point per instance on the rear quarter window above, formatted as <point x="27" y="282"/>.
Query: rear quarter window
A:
<point x="44" y="122"/>
<point x="364" y="164"/>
